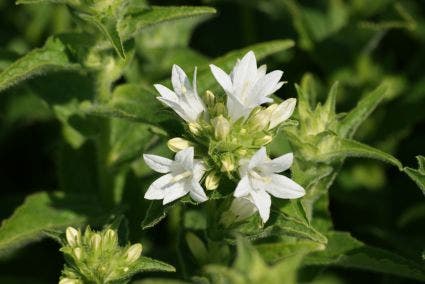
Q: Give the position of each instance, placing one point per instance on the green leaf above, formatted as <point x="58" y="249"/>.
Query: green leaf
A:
<point x="145" y="264"/>
<point x="364" y="108"/>
<point x="132" y="102"/>
<point x="133" y="23"/>
<point x="51" y="57"/>
<point x="274" y="252"/>
<point x="45" y="211"/>
<point x="345" y="251"/>
<point x="418" y="176"/>
<point x="342" y="148"/>
<point x="155" y="213"/>
<point x="107" y="24"/>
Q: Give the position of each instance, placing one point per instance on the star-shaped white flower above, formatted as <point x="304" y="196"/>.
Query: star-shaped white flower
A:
<point x="259" y="179"/>
<point x="246" y="86"/>
<point x="185" y="100"/>
<point x="181" y="177"/>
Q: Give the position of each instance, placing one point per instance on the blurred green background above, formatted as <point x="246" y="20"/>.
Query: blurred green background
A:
<point x="359" y="43"/>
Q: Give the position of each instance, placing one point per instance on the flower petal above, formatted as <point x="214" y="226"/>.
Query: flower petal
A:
<point x="243" y="208"/>
<point x="174" y="192"/>
<point x="197" y="192"/>
<point x="158" y="163"/>
<point x="180" y="81"/>
<point x="166" y="93"/>
<point x="185" y="158"/>
<point x="157" y="189"/>
<point x="198" y="170"/>
<point x="243" y="188"/>
<point x="258" y="158"/>
<point x="281" y="163"/>
<point x="222" y="78"/>
<point x="263" y="202"/>
<point x="284" y="187"/>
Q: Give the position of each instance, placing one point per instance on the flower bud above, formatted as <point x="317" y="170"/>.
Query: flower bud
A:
<point x="209" y="98"/>
<point x="282" y="112"/>
<point x="242" y="208"/>
<point x="134" y="252"/>
<point x="77" y="252"/>
<point x="72" y="236"/>
<point x="110" y="238"/>
<point x="260" y="120"/>
<point x="227" y="164"/>
<point x="220" y="108"/>
<point x="195" y="128"/>
<point x="266" y="139"/>
<point x="177" y="144"/>
<point x="95" y="241"/>
<point x="221" y="127"/>
<point x="69" y="281"/>
<point x="212" y="180"/>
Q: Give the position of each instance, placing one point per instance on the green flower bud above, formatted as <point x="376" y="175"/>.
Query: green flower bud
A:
<point x="209" y="98"/>
<point x="177" y="144"/>
<point x="221" y="127"/>
<point x="260" y="120"/>
<point x="110" y="238"/>
<point x="95" y="241"/>
<point x="134" y="252"/>
<point x="195" y="128"/>
<point x="69" y="281"/>
<point x="266" y="139"/>
<point x="77" y="252"/>
<point x="212" y="180"/>
<point x="227" y="164"/>
<point x="220" y="109"/>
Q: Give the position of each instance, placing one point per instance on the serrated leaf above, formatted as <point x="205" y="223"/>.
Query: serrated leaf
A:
<point x="155" y="213"/>
<point x="345" y="251"/>
<point x="107" y="24"/>
<point x="133" y="23"/>
<point x="145" y="264"/>
<point x="343" y="148"/>
<point x="364" y="108"/>
<point x="44" y="211"/>
<point x="51" y="57"/>
<point x="273" y="252"/>
<point x="418" y="176"/>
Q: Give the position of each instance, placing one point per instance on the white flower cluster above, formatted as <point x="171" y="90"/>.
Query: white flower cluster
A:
<point x="238" y="127"/>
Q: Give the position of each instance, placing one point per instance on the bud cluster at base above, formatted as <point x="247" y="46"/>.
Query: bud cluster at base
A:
<point x="97" y="257"/>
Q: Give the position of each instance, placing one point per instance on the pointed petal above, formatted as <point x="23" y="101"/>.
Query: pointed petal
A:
<point x="281" y="163"/>
<point x="236" y="109"/>
<point x="222" y="78"/>
<point x="185" y="158"/>
<point x="258" y="158"/>
<point x="263" y="202"/>
<point x="177" y="107"/>
<point x="243" y="188"/>
<point x="198" y="170"/>
<point x="166" y="93"/>
<point x="158" y="163"/>
<point x="179" y="80"/>
<point x="243" y="208"/>
<point x="156" y="189"/>
<point x="174" y="192"/>
<point x="197" y="192"/>
<point x="244" y="76"/>
<point x="261" y="72"/>
<point x="283" y="187"/>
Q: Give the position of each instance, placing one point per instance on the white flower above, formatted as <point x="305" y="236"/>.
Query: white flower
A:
<point x="259" y="179"/>
<point x="246" y="86"/>
<point x="184" y="100"/>
<point x="182" y="177"/>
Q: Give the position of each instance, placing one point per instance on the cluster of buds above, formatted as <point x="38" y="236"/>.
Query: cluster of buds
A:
<point x="228" y="132"/>
<point x="97" y="257"/>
